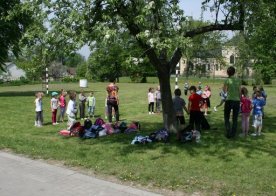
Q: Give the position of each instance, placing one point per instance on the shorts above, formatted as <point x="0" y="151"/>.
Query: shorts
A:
<point x="258" y="120"/>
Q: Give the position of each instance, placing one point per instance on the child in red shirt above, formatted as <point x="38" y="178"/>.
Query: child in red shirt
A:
<point x="195" y="102"/>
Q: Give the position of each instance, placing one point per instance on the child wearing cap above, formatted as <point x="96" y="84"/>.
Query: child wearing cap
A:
<point x="54" y="107"/>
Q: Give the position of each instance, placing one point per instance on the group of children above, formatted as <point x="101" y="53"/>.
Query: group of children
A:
<point x="154" y="97"/>
<point x="204" y="93"/>
<point x="256" y="104"/>
<point x="198" y="102"/>
<point x="58" y="102"/>
<point x="195" y="103"/>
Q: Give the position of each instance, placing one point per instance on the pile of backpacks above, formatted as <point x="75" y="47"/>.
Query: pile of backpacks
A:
<point x="99" y="129"/>
<point x="161" y="135"/>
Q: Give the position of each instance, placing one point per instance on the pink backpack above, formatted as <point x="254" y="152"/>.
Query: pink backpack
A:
<point x="99" y="122"/>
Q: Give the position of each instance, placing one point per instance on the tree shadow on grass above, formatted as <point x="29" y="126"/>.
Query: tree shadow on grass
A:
<point x="30" y="93"/>
<point x="17" y="93"/>
<point x="213" y="143"/>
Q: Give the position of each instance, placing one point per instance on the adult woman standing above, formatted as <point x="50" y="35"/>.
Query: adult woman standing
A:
<point x="232" y="86"/>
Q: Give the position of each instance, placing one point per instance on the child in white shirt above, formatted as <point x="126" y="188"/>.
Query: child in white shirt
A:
<point x="71" y="109"/>
<point x="38" y="109"/>
<point x="151" y="101"/>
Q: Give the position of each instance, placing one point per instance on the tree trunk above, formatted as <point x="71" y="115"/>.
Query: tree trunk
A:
<point x="167" y="104"/>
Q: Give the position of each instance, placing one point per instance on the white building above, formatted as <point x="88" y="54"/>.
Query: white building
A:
<point x="12" y="72"/>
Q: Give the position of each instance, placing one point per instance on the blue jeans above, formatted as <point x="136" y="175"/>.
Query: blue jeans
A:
<point x="235" y="107"/>
<point x="91" y="110"/>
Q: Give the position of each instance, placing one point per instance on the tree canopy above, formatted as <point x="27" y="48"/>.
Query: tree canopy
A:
<point x="159" y="29"/>
<point x="15" y="18"/>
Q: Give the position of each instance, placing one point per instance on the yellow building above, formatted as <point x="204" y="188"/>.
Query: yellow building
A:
<point x="213" y="67"/>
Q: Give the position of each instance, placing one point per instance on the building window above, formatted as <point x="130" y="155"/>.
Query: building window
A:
<point x="232" y="59"/>
<point x="217" y="67"/>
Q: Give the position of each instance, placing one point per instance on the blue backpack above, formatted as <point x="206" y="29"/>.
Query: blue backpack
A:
<point x="160" y="135"/>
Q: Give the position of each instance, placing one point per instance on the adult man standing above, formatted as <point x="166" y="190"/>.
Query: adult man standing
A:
<point x="112" y="100"/>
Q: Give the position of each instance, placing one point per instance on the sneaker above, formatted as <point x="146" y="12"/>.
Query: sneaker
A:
<point x="215" y="109"/>
<point x="254" y="134"/>
<point x="149" y="112"/>
<point x="259" y="134"/>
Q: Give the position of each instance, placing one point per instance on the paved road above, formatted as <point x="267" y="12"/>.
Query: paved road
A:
<point x="20" y="176"/>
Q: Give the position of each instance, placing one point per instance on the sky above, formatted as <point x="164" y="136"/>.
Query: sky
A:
<point x="190" y="7"/>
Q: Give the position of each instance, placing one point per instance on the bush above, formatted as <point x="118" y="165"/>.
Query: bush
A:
<point x="24" y="80"/>
<point x="70" y="79"/>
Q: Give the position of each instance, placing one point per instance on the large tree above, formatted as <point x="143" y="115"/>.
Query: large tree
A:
<point x="159" y="27"/>
<point x="14" y="20"/>
<point x="261" y="32"/>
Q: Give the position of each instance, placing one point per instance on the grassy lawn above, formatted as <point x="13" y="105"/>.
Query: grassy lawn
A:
<point x="215" y="166"/>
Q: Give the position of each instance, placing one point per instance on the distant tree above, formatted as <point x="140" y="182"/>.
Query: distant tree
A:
<point x="73" y="60"/>
<point x="82" y="70"/>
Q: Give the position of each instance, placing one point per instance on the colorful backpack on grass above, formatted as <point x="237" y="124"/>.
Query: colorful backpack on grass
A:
<point x="99" y="122"/>
<point x="87" y="124"/>
<point x="76" y="129"/>
<point x="160" y="135"/>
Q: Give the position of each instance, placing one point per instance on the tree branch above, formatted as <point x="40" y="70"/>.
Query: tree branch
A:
<point x="175" y="58"/>
<point x="214" y="27"/>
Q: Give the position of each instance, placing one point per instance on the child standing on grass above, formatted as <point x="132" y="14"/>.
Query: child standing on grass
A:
<point x="258" y="104"/>
<point x="179" y="104"/>
<point x="158" y="99"/>
<point x="82" y="100"/>
<point x="62" y="105"/>
<point x="54" y="107"/>
<point x="245" y="111"/>
<point x="91" y="103"/>
<point x="206" y="95"/>
<point x="264" y="95"/>
<point x="223" y="96"/>
<point x="105" y="108"/>
<point x="151" y="101"/>
<point x="71" y="109"/>
<point x="186" y="88"/>
<point x="195" y="103"/>
<point x="38" y="109"/>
